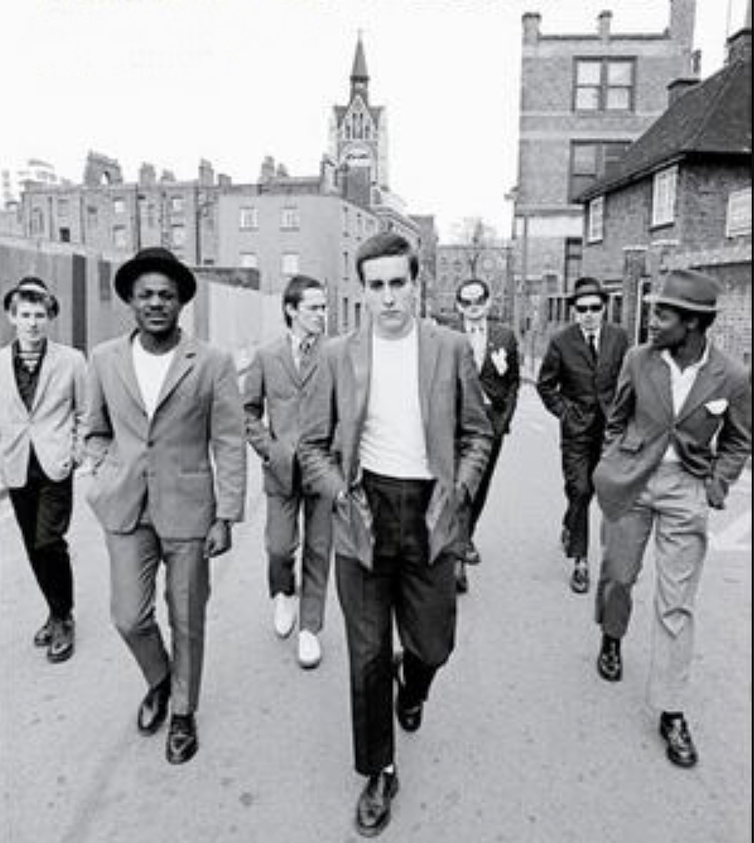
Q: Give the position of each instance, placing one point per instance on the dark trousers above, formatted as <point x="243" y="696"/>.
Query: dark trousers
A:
<point x="477" y="505"/>
<point x="580" y="455"/>
<point x="43" y="512"/>
<point x="401" y="585"/>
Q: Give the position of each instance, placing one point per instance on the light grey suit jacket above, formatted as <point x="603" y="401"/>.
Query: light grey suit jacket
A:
<point x="166" y="458"/>
<point x="711" y="434"/>
<point x="53" y="425"/>
<point x="275" y="388"/>
<point x="457" y="432"/>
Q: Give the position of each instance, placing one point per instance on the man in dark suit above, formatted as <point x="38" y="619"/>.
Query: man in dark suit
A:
<point x="576" y="382"/>
<point x="678" y="435"/>
<point x="275" y="398"/>
<point x="165" y="435"/>
<point x="398" y="438"/>
<point x="495" y="353"/>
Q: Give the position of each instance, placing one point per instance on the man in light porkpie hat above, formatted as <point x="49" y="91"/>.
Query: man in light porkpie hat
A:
<point x="165" y="432"/>
<point x="678" y="436"/>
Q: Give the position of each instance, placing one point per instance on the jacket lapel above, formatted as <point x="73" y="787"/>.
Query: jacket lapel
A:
<point x="658" y="374"/>
<point x="286" y="359"/>
<point x="182" y="363"/>
<point x="428" y="353"/>
<point x="124" y="365"/>
<point x="707" y="382"/>
<point x="309" y="361"/>
<point x="8" y="375"/>
<point x="49" y="362"/>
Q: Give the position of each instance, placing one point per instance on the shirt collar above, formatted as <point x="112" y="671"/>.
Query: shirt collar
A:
<point x="693" y="367"/>
<point x="479" y="327"/>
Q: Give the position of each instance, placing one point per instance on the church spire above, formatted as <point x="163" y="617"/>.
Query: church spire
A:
<point x="359" y="74"/>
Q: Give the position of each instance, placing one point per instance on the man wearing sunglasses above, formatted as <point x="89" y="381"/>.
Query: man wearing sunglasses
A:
<point x="577" y="381"/>
<point x="496" y="358"/>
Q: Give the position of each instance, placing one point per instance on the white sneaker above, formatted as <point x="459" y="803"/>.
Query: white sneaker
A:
<point x="309" y="649"/>
<point x="285" y="614"/>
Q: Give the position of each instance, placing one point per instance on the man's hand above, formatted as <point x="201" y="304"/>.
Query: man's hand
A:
<point x="715" y="493"/>
<point x="500" y="360"/>
<point x="218" y="538"/>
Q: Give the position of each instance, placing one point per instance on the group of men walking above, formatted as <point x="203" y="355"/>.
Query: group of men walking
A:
<point x="378" y="448"/>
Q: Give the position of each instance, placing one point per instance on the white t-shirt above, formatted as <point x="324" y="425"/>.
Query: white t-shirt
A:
<point x="392" y="442"/>
<point x="681" y="383"/>
<point x="151" y="370"/>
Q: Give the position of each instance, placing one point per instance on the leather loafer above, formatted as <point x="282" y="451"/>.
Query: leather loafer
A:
<point x="43" y="635"/>
<point x="154" y="708"/>
<point x="609" y="661"/>
<point x="462" y="583"/>
<point x="409" y="716"/>
<point x="182" y="742"/>
<point x="580" y="577"/>
<point x="62" y="638"/>
<point x="680" y="746"/>
<point x="373" y="807"/>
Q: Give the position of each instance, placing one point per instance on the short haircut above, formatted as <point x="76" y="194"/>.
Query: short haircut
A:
<point x="383" y="245"/>
<point x="294" y="292"/>
<point x="468" y="282"/>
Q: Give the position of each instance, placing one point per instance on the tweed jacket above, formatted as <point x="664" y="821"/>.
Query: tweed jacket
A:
<point x="457" y="433"/>
<point x="569" y="383"/>
<point x="54" y="424"/>
<point x="711" y="433"/>
<point x="188" y="460"/>
<point x="274" y="388"/>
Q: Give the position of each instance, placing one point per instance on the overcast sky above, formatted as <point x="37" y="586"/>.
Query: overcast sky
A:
<point x="173" y="81"/>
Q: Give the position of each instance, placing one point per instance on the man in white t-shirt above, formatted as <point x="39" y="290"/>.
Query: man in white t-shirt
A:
<point x="166" y="436"/>
<point x="397" y="436"/>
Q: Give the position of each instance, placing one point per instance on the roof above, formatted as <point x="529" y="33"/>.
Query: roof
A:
<point x="359" y="63"/>
<point x="712" y="118"/>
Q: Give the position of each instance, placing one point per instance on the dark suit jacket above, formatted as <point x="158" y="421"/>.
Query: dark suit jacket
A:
<point x="501" y="390"/>
<point x="457" y="432"/>
<point x="274" y="387"/>
<point x="189" y="459"/>
<point x="712" y="432"/>
<point x="571" y="386"/>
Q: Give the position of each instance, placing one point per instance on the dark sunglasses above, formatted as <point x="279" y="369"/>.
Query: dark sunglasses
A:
<point x="466" y="302"/>
<point x="589" y="308"/>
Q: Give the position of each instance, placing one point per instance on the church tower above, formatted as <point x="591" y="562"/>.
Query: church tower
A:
<point x="358" y="131"/>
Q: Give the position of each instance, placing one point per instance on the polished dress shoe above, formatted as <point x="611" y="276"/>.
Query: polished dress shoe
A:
<point x="580" y="576"/>
<point x="462" y="582"/>
<point x="609" y="661"/>
<point x="373" y="807"/>
<point x="409" y="716"/>
<point x="43" y="635"/>
<point x="680" y="746"/>
<point x="62" y="638"/>
<point x="154" y="708"/>
<point x="472" y="557"/>
<point x="182" y="742"/>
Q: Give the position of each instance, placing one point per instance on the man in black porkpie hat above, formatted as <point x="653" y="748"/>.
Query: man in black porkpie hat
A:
<point x="42" y="402"/>
<point x="576" y="382"/>
<point x="166" y="435"/>
<point x="678" y="436"/>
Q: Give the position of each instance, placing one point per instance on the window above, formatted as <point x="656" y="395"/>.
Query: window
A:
<point x="572" y="268"/>
<point x="120" y="241"/>
<point x="249" y="260"/>
<point x="738" y="219"/>
<point x="346" y="265"/>
<point x="119" y="205"/>
<point x="290" y="263"/>
<point x="176" y="204"/>
<point x="357" y="314"/>
<point x="663" y="196"/>
<point x="178" y="235"/>
<point x="591" y="161"/>
<point x="345" y="221"/>
<point x="604" y="84"/>
<point x="62" y="207"/>
<point x="595" y="220"/>
<point x="289" y="218"/>
<point x="248" y="218"/>
<point x="92" y="217"/>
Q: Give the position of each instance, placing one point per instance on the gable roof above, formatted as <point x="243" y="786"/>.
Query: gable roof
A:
<point x="713" y="118"/>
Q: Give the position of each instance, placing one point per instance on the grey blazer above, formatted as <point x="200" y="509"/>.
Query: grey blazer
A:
<point x="53" y="425"/>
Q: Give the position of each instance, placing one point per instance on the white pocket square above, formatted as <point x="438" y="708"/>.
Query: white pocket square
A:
<point x="717" y="407"/>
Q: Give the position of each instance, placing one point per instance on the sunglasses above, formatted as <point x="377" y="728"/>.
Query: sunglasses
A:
<point x="466" y="302"/>
<point x="589" y="308"/>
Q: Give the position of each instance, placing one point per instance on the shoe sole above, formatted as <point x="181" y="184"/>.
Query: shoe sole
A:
<point x="56" y="658"/>
<point x="609" y="677"/>
<point x="182" y="759"/>
<point x="378" y="829"/>
<point x="674" y="759"/>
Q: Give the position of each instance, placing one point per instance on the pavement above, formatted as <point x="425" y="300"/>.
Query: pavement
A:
<point x="522" y="742"/>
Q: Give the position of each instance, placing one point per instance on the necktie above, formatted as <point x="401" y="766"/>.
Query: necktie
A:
<point x="593" y="347"/>
<point x="303" y="352"/>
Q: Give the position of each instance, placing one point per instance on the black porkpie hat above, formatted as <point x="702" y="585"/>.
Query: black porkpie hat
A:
<point x="32" y="284"/>
<point x="587" y="286"/>
<point x="155" y="259"/>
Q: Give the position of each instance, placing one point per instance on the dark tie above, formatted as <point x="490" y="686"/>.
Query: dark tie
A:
<point x="593" y="347"/>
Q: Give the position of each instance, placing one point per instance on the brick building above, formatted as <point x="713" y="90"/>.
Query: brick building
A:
<point x="681" y="197"/>
<point x="459" y="262"/>
<point x="584" y="99"/>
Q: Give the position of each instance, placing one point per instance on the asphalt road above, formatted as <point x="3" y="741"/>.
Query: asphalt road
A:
<point x="522" y="742"/>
